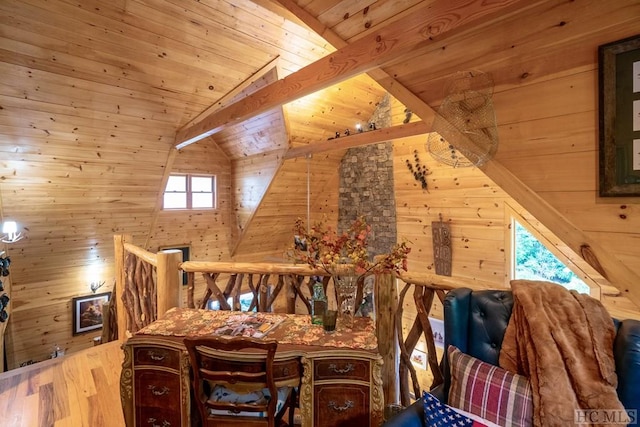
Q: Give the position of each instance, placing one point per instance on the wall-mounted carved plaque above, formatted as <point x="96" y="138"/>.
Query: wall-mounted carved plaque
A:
<point x="441" y="247"/>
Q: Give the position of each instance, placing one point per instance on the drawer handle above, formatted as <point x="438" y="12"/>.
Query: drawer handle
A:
<point x="158" y="392"/>
<point x="164" y="423"/>
<point x="347" y="405"/>
<point x="158" y="356"/>
<point x="345" y="370"/>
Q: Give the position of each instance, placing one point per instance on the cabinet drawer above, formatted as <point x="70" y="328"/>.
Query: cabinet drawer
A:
<point x="157" y="356"/>
<point x="157" y="389"/>
<point x="156" y="417"/>
<point x="341" y="405"/>
<point x="352" y="369"/>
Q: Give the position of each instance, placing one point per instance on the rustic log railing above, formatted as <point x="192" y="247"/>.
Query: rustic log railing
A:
<point x="423" y="297"/>
<point x="142" y="277"/>
<point x="426" y="287"/>
<point x="265" y="281"/>
<point x="147" y="284"/>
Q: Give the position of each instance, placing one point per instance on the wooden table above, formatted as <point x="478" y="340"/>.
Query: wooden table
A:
<point x="340" y="372"/>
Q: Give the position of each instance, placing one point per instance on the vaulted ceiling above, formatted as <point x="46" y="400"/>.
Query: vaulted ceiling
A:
<point x="93" y="93"/>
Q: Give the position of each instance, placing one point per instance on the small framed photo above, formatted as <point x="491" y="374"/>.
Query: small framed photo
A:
<point x="419" y="359"/>
<point x="87" y="312"/>
<point x="437" y="327"/>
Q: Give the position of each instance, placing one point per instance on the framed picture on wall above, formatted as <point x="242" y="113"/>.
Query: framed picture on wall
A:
<point x="186" y="252"/>
<point x="87" y="312"/>
<point x="619" y="111"/>
<point x="437" y="327"/>
<point x="419" y="359"/>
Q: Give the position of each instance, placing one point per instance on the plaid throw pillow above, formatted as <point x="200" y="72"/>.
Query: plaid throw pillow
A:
<point x="489" y="391"/>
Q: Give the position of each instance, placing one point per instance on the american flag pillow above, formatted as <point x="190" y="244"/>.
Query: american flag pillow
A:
<point x="437" y="414"/>
<point x="489" y="391"/>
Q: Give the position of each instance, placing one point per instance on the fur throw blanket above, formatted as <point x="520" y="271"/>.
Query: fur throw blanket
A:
<point x="562" y="341"/>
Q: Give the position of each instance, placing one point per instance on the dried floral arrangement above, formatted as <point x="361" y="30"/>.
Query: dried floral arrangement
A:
<point x="321" y="246"/>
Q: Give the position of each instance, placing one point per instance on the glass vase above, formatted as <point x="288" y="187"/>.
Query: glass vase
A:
<point x="346" y="288"/>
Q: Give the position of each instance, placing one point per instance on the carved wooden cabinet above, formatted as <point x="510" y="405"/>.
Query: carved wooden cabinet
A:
<point x="154" y="384"/>
<point x="342" y="388"/>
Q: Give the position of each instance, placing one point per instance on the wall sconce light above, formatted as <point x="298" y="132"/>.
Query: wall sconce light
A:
<point x="95" y="286"/>
<point x="10" y="232"/>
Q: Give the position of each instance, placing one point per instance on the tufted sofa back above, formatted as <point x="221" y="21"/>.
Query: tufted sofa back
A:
<point x="475" y="322"/>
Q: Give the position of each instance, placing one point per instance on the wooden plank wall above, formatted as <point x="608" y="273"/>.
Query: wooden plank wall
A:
<point x="91" y="97"/>
<point x="546" y="102"/>
<point x="208" y="233"/>
<point x="94" y="185"/>
<point x="544" y="64"/>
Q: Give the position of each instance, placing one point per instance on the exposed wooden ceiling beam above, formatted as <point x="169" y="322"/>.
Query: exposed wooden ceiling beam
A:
<point x="374" y="50"/>
<point x="228" y="98"/>
<point x="359" y="139"/>
<point x="390" y="84"/>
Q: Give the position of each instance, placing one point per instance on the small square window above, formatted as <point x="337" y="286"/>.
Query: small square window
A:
<point x="201" y="201"/>
<point x="175" y="200"/>
<point x="201" y="184"/>
<point x="177" y="183"/>
<point x="190" y="192"/>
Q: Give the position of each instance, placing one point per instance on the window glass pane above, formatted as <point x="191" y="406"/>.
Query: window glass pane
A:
<point x="177" y="183"/>
<point x="201" y="200"/>
<point x="175" y="200"/>
<point x="201" y="184"/>
<point x="245" y="303"/>
<point x="533" y="261"/>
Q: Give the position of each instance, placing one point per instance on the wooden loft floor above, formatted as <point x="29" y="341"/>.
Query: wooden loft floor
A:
<point x="81" y="389"/>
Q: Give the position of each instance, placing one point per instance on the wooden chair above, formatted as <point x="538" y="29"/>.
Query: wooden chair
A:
<point x="232" y="388"/>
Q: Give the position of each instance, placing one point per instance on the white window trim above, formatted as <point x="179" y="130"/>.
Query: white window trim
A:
<point x="189" y="192"/>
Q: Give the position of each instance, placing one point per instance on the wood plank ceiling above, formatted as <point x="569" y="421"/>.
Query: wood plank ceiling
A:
<point x="93" y="93"/>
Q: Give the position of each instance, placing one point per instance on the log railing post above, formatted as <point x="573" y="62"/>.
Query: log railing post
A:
<point x="121" y="313"/>
<point x="169" y="285"/>
<point x="386" y="302"/>
<point x="289" y="280"/>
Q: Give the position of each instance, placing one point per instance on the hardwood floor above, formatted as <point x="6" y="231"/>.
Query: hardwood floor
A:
<point x="80" y="389"/>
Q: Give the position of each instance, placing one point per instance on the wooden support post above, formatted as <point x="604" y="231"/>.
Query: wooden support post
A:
<point x="168" y="285"/>
<point x="118" y="243"/>
<point x="191" y="280"/>
<point x="386" y="301"/>
<point x="263" y="291"/>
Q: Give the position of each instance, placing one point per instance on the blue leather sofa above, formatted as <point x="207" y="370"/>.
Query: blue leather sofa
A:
<point x="475" y="322"/>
